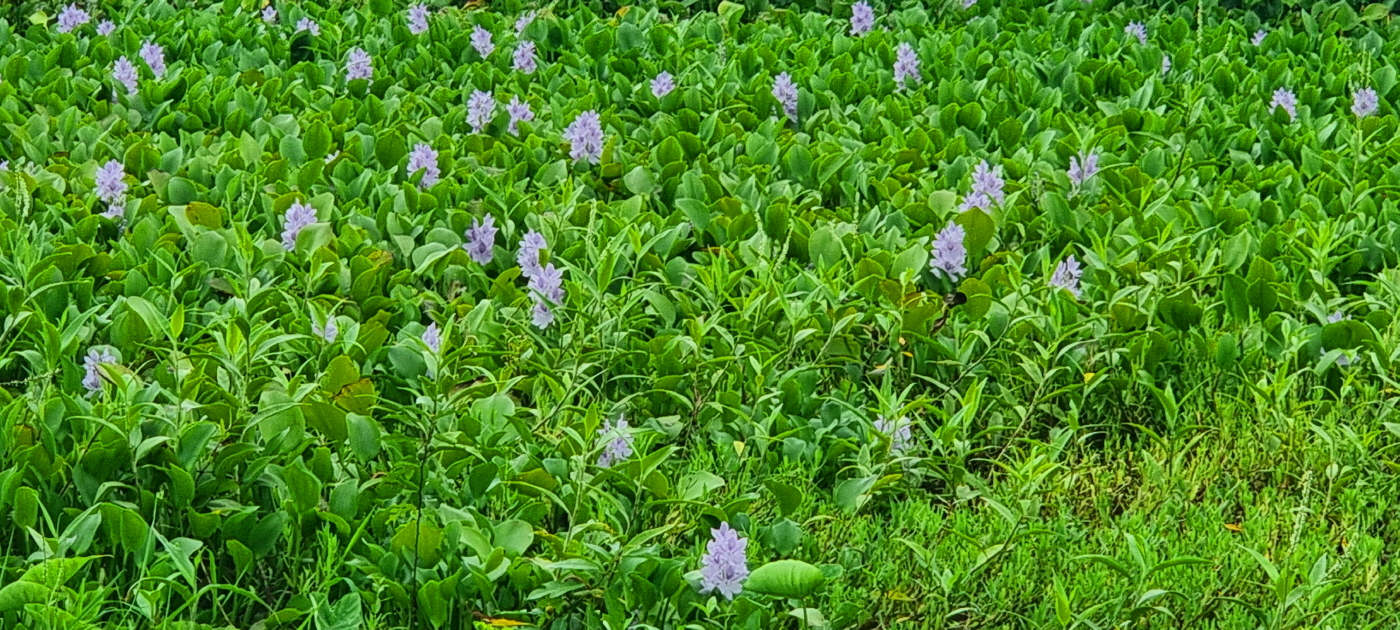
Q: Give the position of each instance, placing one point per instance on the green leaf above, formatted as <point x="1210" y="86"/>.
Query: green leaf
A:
<point x="364" y="435"/>
<point x="304" y="488"/>
<point x="345" y="614"/>
<point x="786" y="536"/>
<point x="979" y="228"/>
<point x="789" y="497"/>
<point x="389" y="150"/>
<point x="785" y="578"/>
<point x="211" y="249"/>
<point x="599" y="44"/>
<point x="418" y="538"/>
<point x="200" y="213"/>
<point x="1180" y="312"/>
<point x="851" y="493"/>
<point x="342" y="371"/>
<point x="317" y="143"/>
<point x="639" y="181"/>
<point x="179" y="191"/>
<point x="515" y="536"/>
<point x="824" y="247"/>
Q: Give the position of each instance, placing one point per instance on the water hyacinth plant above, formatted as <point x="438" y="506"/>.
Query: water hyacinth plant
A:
<point x="432" y="338"/>
<point x="481" y="41"/>
<point x="111" y="182"/>
<point x="1258" y="39"/>
<point x="92" y="369"/>
<point x="528" y="257"/>
<point x="1082" y="168"/>
<point x="359" y="65"/>
<point x="1365" y="102"/>
<point x="524" y="21"/>
<point x="72" y="17"/>
<point x="518" y="111"/>
<point x="948" y="256"/>
<point x="308" y="25"/>
<point x="724" y="567"/>
<point x="269" y="14"/>
<point x="105" y="27"/>
<point x="481" y="240"/>
<point x="125" y="74"/>
<point x="154" y="56"/>
<point x="298" y="216"/>
<point x="524" y="59"/>
<point x="906" y="66"/>
<point x="481" y="107"/>
<point x="417" y="19"/>
<point x="785" y="91"/>
<point x="862" y="18"/>
<point x="585" y="138"/>
<point x="1067" y="275"/>
<point x="424" y="158"/>
<point x="662" y="84"/>
<point x="1138" y="30"/>
<point x="900" y="433"/>
<point x="616" y="441"/>
<point x="328" y="331"/>
<point x="987" y="186"/>
<point x="1284" y="98"/>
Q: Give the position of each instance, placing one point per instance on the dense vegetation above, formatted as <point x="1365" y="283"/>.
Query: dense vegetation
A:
<point x="342" y="314"/>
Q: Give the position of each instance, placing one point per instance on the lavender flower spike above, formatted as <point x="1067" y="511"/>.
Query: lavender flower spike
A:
<point x="154" y="56"/>
<point x="1138" y="30"/>
<point x="309" y="25"/>
<point x="529" y="256"/>
<point x="662" y="84"/>
<point x="72" y="17"/>
<point x="1284" y="97"/>
<point x="1258" y="39"/>
<point x="418" y="19"/>
<point x="862" y="18"/>
<point x="359" y="65"/>
<point x="298" y="216"/>
<point x="105" y="28"/>
<point x="480" y="108"/>
<point x="724" y="567"/>
<point x="524" y="22"/>
<point x="1365" y="102"/>
<point x="432" y="338"/>
<point x="524" y="59"/>
<point x="328" y="332"/>
<point x="481" y="240"/>
<point x="125" y="73"/>
<point x="1082" y="168"/>
<point x="617" y="442"/>
<point x="269" y="14"/>
<point x="1067" y="276"/>
<point x="92" y="372"/>
<point x="986" y="187"/>
<point x="785" y="91"/>
<point x="481" y="41"/>
<point x="518" y="110"/>
<point x="949" y="255"/>
<point x="585" y="137"/>
<point x="111" y="188"/>
<point x="425" y="158"/>
<point x="548" y="283"/>
<point x="906" y="66"/>
<point x="540" y="315"/>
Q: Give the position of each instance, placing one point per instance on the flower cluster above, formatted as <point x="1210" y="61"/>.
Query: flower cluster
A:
<point x="724" y="567"/>
<point x="328" y="332"/>
<point x="481" y="240"/>
<point x="616" y="442"/>
<point x="309" y="25"/>
<point x="1138" y="30"/>
<point x="529" y="256"/>
<point x="785" y="91"/>
<point x="1365" y="102"/>
<point x="481" y="41"/>
<point x="418" y="19"/>
<point x="105" y="27"/>
<point x="900" y="432"/>
<point x="524" y="59"/>
<point x="949" y="254"/>
<point x="547" y="285"/>
<point x="662" y="84"/>
<point x="92" y="368"/>
<point x="862" y="18"/>
<point x="986" y="187"/>
<point x="111" y="188"/>
<point x="125" y="73"/>
<point x="524" y="22"/>
<point x="1166" y="64"/>
<point x="424" y="158"/>
<point x="906" y="66"/>
<point x="72" y="17"/>
<point x="432" y="338"/>
<point x="269" y="14"/>
<point x="154" y="56"/>
<point x="1082" y="168"/>
<point x="359" y="65"/>
<point x="518" y="110"/>
<point x="1284" y="97"/>
<point x="585" y="137"/>
<point x="1067" y="276"/>
<point x="480" y="108"/>
<point x="1259" y="36"/>
<point x="298" y="216"/>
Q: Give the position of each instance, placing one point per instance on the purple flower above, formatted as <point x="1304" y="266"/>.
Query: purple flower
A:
<point x="115" y="212"/>
<point x="968" y="4"/>
<point x="307" y="24"/>
<point x="327" y="332"/>
<point x="1343" y="360"/>
<point x="269" y="14"/>
<point x="481" y="41"/>
<point x="1365" y="102"/>
<point x="1082" y="168"/>
<point x="524" y="22"/>
<point x="724" y="566"/>
<point x="662" y="84"/>
<point x="1067" y="276"/>
<point x="92" y="372"/>
<point x="949" y="255"/>
<point x="529" y="256"/>
<point x="418" y="19"/>
<point x="432" y="338"/>
<point x="105" y="27"/>
<point x="585" y="137"/>
<point x="298" y="217"/>
<point x="525" y="57"/>
<point x="986" y="187"/>
<point x="540" y="315"/>
<point x="125" y="73"/>
<point x="359" y="65"/>
<point x="154" y="57"/>
<point x="1138" y="30"/>
<point x="480" y="108"/>
<point x="518" y="110"/>
<point x="111" y="187"/>
<point x="481" y="240"/>
<point x="1283" y="97"/>
<point x="1166" y="64"/>
<point x="616" y="442"/>
<point x="1259" y="36"/>
<point x="906" y="65"/>
<point x="900" y="433"/>
<point x="862" y="18"/>
<point x="785" y="91"/>
<point x="72" y="17"/>
<point x="425" y="158"/>
<point x="1337" y="316"/>
<point x="548" y="283"/>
